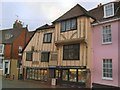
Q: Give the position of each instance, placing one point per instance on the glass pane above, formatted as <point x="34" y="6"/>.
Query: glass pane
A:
<point x="63" y="26"/>
<point x="45" y="37"/>
<point x="39" y="74"/>
<point x="72" y="75"/>
<point x="71" y="52"/>
<point x="65" y="75"/>
<point x="36" y="74"/>
<point x="1" y="63"/>
<point x="50" y="37"/>
<point x="42" y="75"/>
<point x="33" y="74"/>
<point x="45" y="75"/>
<point x="107" y="68"/>
<point x="68" y="25"/>
<point x="57" y="74"/>
<point x="82" y="74"/>
<point x="73" y="24"/>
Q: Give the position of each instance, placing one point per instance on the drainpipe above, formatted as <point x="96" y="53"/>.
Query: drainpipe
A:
<point x="11" y="59"/>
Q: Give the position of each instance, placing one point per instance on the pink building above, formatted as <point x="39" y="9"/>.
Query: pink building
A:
<point x="106" y="41"/>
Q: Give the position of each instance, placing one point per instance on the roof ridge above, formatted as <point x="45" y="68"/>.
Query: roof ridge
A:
<point x="78" y="9"/>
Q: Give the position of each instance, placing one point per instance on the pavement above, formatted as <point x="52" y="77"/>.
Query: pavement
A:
<point x="8" y="83"/>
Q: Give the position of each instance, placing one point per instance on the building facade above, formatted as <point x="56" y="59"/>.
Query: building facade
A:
<point x="106" y="71"/>
<point x="73" y="40"/>
<point x="80" y="49"/>
<point x="12" y="42"/>
<point x="40" y="54"/>
<point x="68" y="55"/>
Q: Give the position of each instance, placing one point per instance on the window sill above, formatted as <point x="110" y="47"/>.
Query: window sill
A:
<point x="108" y="16"/>
<point x="45" y="61"/>
<point x="68" y="30"/>
<point x="104" y="78"/>
<point x="1" y="53"/>
<point x="29" y="60"/>
<point x="47" y="42"/>
<point x="107" y="43"/>
<point x="70" y="59"/>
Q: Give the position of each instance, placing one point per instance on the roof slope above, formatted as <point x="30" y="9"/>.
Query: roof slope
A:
<point x="76" y="11"/>
<point x="98" y="13"/>
<point x="46" y="26"/>
<point x="15" y="32"/>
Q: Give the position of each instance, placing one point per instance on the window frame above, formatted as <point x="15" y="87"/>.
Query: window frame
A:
<point x="2" y="49"/>
<point x="70" y="22"/>
<point x="48" y="56"/>
<point x="107" y="78"/>
<point x="46" y="35"/>
<point x="67" y="78"/>
<point x="8" y="36"/>
<point x="76" y="75"/>
<point x="105" y="13"/>
<point x="73" y="45"/>
<point x="29" y="52"/>
<point x="110" y="42"/>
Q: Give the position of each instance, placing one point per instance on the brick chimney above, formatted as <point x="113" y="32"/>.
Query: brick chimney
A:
<point x="17" y="24"/>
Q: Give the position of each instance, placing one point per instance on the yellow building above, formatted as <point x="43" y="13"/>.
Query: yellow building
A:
<point x="40" y="53"/>
<point x="66" y="56"/>
<point x="73" y="42"/>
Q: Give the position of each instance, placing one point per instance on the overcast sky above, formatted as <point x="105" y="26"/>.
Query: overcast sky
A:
<point x="35" y="13"/>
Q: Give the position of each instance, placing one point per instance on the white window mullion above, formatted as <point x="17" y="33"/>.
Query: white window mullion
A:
<point x="106" y="35"/>
<point x="107" y="69"/>
<point x="109" y="10"/>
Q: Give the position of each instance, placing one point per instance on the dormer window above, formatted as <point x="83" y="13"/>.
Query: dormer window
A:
<point x="8" y="36"/>
<point x="109" y="10"/>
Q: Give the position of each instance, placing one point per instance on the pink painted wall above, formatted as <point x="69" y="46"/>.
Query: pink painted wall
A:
<point x="101" y="51"/>
<point x="119" y="54"/>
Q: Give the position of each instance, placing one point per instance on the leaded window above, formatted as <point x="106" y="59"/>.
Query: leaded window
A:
<point x="71" y="52"/>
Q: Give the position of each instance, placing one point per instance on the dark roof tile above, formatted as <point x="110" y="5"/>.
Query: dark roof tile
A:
<point x="76" y="11"/>
<point x="14" y="33"/>
<point x="98" y="12"/>
<point x="46" y="26"/>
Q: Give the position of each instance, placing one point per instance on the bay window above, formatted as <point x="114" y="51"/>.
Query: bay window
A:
<point x="70" y="24"/>
<point x="71" y="52"/>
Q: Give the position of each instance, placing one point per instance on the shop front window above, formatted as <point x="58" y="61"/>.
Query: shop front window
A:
<point x="82" y="74"/>
<point x="73" y="75"/>
<point x="57" y="74"/>
<point x="36" y="74"/>
<point x="33" y="73"/>
<point x="45" y="75"/>
<point x="39" y="75"/>
<point x="65" y="75"/>
<point x="30" y="73"/>
<point x="42" y="72"/>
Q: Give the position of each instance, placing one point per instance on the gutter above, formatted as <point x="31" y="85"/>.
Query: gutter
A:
<point x="103" y="22"/>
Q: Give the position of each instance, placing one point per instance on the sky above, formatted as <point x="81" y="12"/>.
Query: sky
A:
<point x="36" y="13"/>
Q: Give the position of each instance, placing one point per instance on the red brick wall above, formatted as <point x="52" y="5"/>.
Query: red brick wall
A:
<point x="19" y="41"/>
<point x="7" y="51"/>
